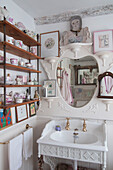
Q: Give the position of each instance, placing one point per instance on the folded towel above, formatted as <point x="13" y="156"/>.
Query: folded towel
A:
<point x="15" y="152"/>
<point x="28" y="143"/>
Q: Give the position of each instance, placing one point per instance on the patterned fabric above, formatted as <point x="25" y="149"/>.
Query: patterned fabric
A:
<point x="5" y="120"/>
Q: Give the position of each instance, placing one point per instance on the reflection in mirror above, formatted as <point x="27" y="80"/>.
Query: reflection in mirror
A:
<point x="77" y="79"/>
<point x="106" y="84"/>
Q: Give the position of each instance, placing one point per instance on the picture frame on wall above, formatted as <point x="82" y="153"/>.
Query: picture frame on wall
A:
<point x="50" y="88"/>
<point x="21" y="113"/>
<point x="32" y="109"/>
<point x="103" y="40"/>
<point x="5" y="120"/>
<point x="49" y="44"/>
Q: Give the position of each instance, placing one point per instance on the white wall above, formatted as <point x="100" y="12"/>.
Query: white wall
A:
<point x="95" y="109"/>
<point x="57" y="110"/>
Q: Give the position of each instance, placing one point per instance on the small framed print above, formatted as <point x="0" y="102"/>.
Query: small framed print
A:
<point x="49" y="44"/>
<point x="103" y="40"/>
<point x="5" y="120"/>
<point x="32" y="109"/>
<point x="21" y="113"/>
<point x="51" y="88"/>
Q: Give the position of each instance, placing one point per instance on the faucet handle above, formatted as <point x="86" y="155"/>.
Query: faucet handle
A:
<point x="67" y="118"/>
<point x="76" y="129"/>
<point x="75" y="134"/>
<point x="67" y="124"/>
<point x="84" y="126"/>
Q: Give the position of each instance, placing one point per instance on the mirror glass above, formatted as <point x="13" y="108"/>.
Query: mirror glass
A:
<point x="77" y="79"/>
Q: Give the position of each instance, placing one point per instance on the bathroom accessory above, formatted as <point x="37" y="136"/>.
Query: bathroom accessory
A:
<point x="84" y="126"/>
<point x="58" y="128"/>
<point x="26" y="127"/>
<point x="75" y="135"/>
<point x="67" y="124"/>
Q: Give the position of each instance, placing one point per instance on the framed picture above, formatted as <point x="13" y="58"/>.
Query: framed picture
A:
<point x="21" y="113"/>
<point x="49" y="44"/>
<point x="32" y="109"/>
<point x="5" y="120"/>
<point x="51" y="88"/>
<point x="103" y="40"/>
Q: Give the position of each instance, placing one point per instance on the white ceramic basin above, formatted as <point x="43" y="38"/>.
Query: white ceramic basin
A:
<point x="68" y="137"/>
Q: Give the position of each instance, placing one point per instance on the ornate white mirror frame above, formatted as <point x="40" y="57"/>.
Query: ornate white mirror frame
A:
<point x="70" y="52"/>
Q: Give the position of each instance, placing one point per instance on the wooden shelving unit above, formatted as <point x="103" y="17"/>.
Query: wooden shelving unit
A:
<point x="18" y="68"/>
<point x="17" y="34"/>
<point x="7" y="85"/>
<point x="17" y="104"/>
<point x="8" y="29"/>
<point x="18" y="51"/>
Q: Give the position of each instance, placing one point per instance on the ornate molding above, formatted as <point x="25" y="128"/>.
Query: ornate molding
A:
<point x="53" y="161"/>
<point x="46" y="69"/>
<point x="63" y="17"/>
<point x="71" y="153"/>
<point x="64" y="108"/>
<point x="91" y="109"/>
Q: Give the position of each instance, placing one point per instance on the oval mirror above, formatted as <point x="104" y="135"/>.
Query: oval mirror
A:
<point x="77" y="79"/>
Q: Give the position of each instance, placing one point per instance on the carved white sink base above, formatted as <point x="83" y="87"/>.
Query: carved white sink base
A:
<point x="52" y="154"/>
<point x="55" y="152"/>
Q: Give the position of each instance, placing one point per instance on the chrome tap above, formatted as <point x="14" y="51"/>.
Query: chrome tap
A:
<point x="67" y="124"/>
<point x="84" y="127"/>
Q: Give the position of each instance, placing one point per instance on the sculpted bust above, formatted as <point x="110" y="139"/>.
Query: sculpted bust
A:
<point x="77" y="34"/>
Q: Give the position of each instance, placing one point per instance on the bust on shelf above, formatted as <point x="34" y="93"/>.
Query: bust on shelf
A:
<point x="77" y="34"/>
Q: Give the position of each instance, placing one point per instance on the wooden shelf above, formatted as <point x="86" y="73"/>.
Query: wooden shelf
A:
<point x="19" y="68"/>
<point x="7" y="85"/>
<point x="17" y="34"/>
<point x="12" y="49"/>
<point x="17" y="104"/>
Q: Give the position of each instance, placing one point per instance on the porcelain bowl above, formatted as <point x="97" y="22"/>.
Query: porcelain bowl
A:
<point x="19" y="100"/>
<point x="68" y="137"/>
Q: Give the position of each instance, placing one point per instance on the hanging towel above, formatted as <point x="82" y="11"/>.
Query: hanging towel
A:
<point x="28" y="143"/>
<point x="15" y="152"/>
<point x="66" y="90"/>
<point x="108" y="83"/>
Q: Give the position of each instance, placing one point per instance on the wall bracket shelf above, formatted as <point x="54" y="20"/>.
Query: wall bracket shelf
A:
<point x="107" y="102"/>
<point x="74" y="47"/>
<point x="104" y="55"/>
<point x="51" y="60"/>
<point x="49" y="100"/>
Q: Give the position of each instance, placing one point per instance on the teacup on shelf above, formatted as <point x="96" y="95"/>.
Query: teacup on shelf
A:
<point x="14" y="61"/>
<point x="18" y="100"/>
<point x="21" y="63"/>
<point x="28" y="65"/>
<point x="18" y="43"/>
<point x="30" y="83"/>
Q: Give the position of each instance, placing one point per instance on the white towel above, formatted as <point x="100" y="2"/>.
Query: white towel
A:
<point x="15" y="152"/>
<point x="28" y="143"/>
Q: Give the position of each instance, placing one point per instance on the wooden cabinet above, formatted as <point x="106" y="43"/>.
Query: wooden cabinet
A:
<point x="8" y="29"/>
